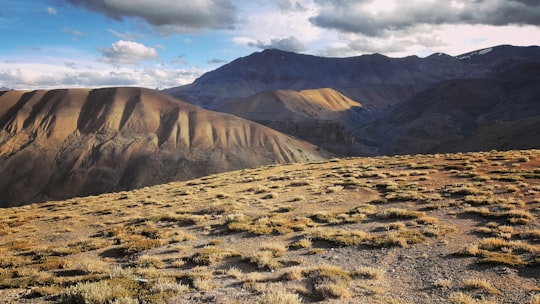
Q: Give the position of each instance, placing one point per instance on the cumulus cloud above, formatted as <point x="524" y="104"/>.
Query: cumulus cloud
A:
<point x="290" y="44"/>
<point x="51" y="10"/>
<point x="381" y="17"/>
<point x="168" y="17"/>
<point x="32" y="75"/>
<point x="127" y="52"/>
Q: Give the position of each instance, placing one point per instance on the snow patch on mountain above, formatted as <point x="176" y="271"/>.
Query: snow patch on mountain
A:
<point x="481" y="52"/>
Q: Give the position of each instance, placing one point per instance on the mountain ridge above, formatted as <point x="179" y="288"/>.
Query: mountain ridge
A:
<point x="376" y="81"/>
<point x="64" y="143"/>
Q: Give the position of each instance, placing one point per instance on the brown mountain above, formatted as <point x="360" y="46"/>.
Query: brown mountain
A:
<point x="463" y="115"/>
<point x="64" y="143"/>
<point x="323" y="117"/>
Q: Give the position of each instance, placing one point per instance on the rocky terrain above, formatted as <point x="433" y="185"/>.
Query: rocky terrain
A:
<point x="500" y="113"/>
<point x="64" y="143"/>
<point x="482" y="100"/>
<point x="443" y="228"/>
<point x="323" y="117"/>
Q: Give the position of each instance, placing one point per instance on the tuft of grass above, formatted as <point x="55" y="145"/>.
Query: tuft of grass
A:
<point x="147" y="261"/>
<point x="329" y="281"/>
<point x="341" y="237"/>
<point x="278" y="295"/>
<point x="480" y="284"/>
<point x="402" y="238"/>
<point x="369" y="273"/>
<point x="535" y="299"/>
<point x="105" y="291"/>
<point x="303" y="243"/>
<point x="211" y="255"/>
<point x="443" y="283"/>
<point x="397" y="213"/>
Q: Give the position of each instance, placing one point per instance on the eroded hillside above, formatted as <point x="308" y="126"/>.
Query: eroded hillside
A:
<point x="64" y="143"/>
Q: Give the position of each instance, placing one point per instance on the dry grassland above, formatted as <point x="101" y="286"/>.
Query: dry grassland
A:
<point x="447" y="228"/>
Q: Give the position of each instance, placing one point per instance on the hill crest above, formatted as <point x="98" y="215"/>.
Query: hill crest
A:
<point x="64" y="143"/>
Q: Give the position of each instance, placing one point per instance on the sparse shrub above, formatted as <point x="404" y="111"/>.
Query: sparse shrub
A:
<point x="461" y="298"/>
<point x="276" y="249"/>
<point x="369" y="273"/>
<point x="329" y="281"/>
<point x="303" y="243"/>
<point x="278" y="295"/>
<point x="443" y="283"/>
<point x="402" y="238"/>
<point x="341" y="237"/>
<point x="100" y="292"/>
<point x="264" y="259"/>
<point x="211" y="255"/>
<point x="535" y="299"/>
<point x="480" y="284"/>
<point x="146" y="261"/>
<point x="396" y="213"/>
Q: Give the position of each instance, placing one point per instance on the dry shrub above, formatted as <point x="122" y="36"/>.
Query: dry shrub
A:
<point x="369" y="273"/>
<point x="212" y="255"/>
<point x="98" y="292"/>
<point x="264" y="259"/>
<point x="341" y="237"/>
<point x="397" y="213"/>
<point x="480" y="284"/>
<point x="278" y="295"/>
<point x="329" y="281"/>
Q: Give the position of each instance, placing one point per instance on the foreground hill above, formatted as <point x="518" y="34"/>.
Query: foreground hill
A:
<point x="64" y="143"/>
<point x="376" y="81"/>
<point x="445" y="228"/>
<point x="502" y="112"/>
<point x="323" y="117"/>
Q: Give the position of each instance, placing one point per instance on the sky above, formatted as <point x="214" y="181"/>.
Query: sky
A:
<point x="48" y="44"/>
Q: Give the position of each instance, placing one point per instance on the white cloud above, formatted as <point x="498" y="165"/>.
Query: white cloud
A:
<point x="290" y="44"/>
<point x="285" y="25"/>
<point x="127" y="52"/>
<point x="38" y="75"/>
<point x="424" y="40"/>
<point x="51" y="10"/>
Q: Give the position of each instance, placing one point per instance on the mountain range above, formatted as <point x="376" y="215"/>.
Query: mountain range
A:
<point x="485" y="99"/>
<point x="267" y="108"/>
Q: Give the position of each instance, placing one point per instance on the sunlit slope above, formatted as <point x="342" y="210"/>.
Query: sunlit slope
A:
<point x="64" y="143"/>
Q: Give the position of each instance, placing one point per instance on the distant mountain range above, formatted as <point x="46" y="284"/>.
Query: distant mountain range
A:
<point x="64" y="143"/>
<point x="402" y="105"/>
<point x="376" y="81"/>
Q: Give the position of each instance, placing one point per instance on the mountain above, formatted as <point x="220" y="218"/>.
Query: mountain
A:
<point x="323" y="117"/>
<point x="376" y="81"/>
<point x="401" y="105"/>
<point x="64" y="143"/>
<point x="463" y="115"/>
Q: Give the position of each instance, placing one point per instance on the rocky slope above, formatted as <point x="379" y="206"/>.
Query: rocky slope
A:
<point x="376" y="81"/>
<point x="64" y="143"/>
<point x="323" y="117"/>
<point x="463" y="115"/>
